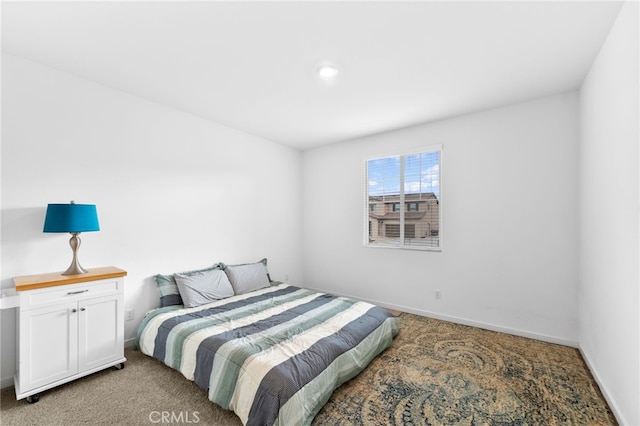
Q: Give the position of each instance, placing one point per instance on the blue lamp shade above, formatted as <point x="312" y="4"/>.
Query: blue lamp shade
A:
<point x="72" y="218"/>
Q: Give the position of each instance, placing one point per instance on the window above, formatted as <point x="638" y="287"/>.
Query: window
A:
<point x="404" y="201"/>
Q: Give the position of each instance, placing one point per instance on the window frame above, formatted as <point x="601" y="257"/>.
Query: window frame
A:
<point x="401" y="241"/>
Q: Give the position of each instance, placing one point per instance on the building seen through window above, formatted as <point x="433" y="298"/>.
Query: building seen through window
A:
<point x="403" y="198"/>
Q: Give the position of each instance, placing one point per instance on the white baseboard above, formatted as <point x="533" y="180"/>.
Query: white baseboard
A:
<point x="6" y="382"/>
<point x="465" y="321"/>
<point x="493" y="327"/>
<point x="603" y="389"/>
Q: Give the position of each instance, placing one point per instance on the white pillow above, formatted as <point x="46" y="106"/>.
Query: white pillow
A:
<point x="249" y="277"/>
<point x="203" y="287"/>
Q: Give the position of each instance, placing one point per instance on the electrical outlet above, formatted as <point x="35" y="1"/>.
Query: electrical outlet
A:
<point x="130" y="315"/>
<point x="438" y="295"/>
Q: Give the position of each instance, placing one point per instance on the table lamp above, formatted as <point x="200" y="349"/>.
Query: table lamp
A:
<point x="73" y="218"/>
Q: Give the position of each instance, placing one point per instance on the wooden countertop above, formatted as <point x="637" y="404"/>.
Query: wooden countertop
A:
<point x="30" y="282"/>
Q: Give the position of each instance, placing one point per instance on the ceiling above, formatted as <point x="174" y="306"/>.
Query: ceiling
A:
<point x="252" y="65"/>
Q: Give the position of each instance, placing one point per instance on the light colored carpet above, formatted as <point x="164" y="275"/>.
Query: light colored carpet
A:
<point x="435" y="373"/>
<point x="140" y="394"/>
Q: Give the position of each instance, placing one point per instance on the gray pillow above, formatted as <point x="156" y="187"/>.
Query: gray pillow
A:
<point x="248" y="277"/>
<point x="203" y="287"/>
<point x="169" y="293"/>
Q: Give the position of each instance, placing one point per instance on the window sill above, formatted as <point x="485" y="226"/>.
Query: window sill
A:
<point x="407" y="247"/>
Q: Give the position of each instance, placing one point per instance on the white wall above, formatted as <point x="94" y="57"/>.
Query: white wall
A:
<point x="173" y="191"/>
<point x="609" y="233"/>
<point x="509" y="191"/>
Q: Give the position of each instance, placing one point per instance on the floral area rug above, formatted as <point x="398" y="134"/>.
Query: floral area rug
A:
<point x="441" y="373"/>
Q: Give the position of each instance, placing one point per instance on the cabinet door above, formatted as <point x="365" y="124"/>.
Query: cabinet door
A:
<point x="48" y="341"/>
<point x="100" y="331"/>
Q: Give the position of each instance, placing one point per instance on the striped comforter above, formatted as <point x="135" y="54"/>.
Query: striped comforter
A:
<point x="275" y="355"/>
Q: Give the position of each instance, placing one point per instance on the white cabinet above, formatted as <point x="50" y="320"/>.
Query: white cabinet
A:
<point x="68" y="327"/>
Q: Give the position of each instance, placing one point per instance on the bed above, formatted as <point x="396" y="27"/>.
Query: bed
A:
<point x="273" y="355"/>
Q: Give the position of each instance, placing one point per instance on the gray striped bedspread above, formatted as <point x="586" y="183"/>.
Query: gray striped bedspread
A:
<point x="274" y="356"/>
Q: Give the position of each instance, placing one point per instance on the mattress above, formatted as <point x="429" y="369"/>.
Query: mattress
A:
<point x="275" y="355"/>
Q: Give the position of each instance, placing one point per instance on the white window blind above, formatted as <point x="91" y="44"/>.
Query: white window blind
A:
<point x="403" y="201"/>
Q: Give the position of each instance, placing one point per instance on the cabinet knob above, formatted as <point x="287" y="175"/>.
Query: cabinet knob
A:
<point x="83" y="309"/>
<point x="74" y="310"/>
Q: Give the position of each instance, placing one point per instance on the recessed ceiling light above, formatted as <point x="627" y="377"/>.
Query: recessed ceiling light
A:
<point x="327" y="71"/>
